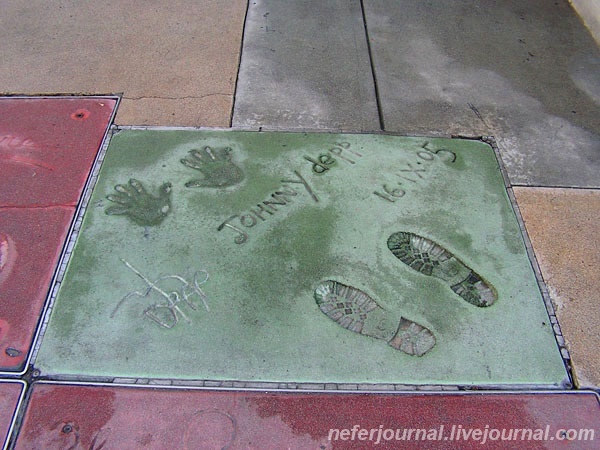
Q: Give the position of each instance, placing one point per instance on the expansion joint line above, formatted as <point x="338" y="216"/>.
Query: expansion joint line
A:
<point x="373" y="73"/>
<point x="239" y="65"/>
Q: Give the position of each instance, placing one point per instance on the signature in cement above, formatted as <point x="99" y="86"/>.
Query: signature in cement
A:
<point x="169" y="292"/>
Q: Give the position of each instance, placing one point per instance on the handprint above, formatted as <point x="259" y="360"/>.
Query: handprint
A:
<point x="142" y="208"/>
<point x="217" y="168"/>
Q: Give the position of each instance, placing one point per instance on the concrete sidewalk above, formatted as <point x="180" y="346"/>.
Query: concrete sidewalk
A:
<point x="525" y="73"/>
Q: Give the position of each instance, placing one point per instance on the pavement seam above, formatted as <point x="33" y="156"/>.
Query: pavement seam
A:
<point x="187" y="97"/>
<point x="534" y="263"/>
<point x="19" y="412"/>
<point x="68" y="246"/>
<point x="239" y="65"/>
<point x="572" y="188"/>
<point x="372" y="63"/>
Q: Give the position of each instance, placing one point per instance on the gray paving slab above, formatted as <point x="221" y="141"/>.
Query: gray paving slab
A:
<point x="174" y="63"/>
<point x="305" y="65"/>
<point x="525" y="72"/>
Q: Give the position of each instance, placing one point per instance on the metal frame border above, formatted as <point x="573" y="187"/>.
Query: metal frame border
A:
<point x="17" y="413"/>
<point x="428" y="392"/>
<point x="560" y="340"/>
<point x="381" y="388"/>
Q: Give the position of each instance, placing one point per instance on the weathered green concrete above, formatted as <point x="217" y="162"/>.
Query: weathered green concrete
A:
<point x="263" y="322"/>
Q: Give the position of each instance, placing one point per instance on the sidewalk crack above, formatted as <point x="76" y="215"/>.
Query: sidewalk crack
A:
<point x="187" y="97"/>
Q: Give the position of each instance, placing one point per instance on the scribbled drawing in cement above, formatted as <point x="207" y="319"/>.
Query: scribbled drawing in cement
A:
<point x="354" y="310"/>
<point x="210" y="429"/>
<point x="64" y="434"/>
<point x="216" y="165"/>
<point x="429" y="258"/>
<point x="12" y="142"/>
<point x="8" y="255"/>
<point x="99" y="440"/>
<point x="166" y="309"/>
<point x="141" y="207"/>
<point x="18" y="150"/>
<point x="68" y="435"/>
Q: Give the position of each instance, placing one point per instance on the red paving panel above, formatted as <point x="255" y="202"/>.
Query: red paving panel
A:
<point x="47" y="147"/>
<point x="31" y="240"/>
<point x="94" y="417"/>
<point x="10" y="394"/>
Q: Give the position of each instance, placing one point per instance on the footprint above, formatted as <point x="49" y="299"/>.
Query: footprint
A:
<point x="354" y="310"/>
<point x="429" y="258"/>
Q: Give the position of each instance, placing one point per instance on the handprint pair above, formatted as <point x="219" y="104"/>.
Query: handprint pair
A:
<point x="132" y="200"/>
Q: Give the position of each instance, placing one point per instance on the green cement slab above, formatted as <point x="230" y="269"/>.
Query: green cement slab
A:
<point x="145" y="252"/>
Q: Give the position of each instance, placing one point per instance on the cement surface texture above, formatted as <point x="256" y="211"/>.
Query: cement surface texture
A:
<point x="126" y="417"/>
<point x="10" y="394"/>
<point x="564" y="225"/>
<point x="305" y="65"/>
<point x="527" y="73"/>
<point x="175" y="64"/>
<point x="213" y="255"/>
